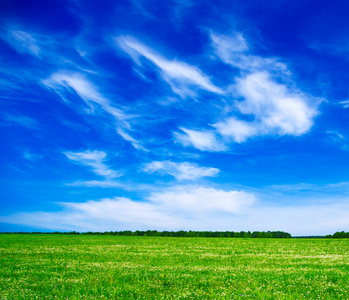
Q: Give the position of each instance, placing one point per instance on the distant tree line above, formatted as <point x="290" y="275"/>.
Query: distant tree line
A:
<point x="181" y="233"/>
<point x="338" y="235"/>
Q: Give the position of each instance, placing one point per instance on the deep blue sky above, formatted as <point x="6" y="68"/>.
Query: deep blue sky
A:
<point x="170" y="115"/>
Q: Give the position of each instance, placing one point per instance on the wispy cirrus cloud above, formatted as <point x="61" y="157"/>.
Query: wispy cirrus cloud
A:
<point x="95" y="160"/>
<point x="181" y="171"/>
<point x="88" y="92"/>
<point x="182" y="77"/>
<point x="24" y="42"/>
<point x="345" y="103"/>
<point x="127" y="137"/>
<point x="203" y="140"/>
<point x="233" y="50"/>
<point x="17" y="120"/>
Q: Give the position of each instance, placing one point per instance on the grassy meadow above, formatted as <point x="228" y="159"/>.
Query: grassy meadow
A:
<point x="123" y="267"/>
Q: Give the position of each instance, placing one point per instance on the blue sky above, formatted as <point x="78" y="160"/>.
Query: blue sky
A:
<point x="171" y="115"/>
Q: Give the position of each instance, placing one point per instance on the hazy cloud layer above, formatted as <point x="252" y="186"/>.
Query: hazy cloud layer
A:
<point x="177" y="207"/>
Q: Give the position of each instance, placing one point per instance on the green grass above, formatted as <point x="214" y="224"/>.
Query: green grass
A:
<point x="116" y="267"/>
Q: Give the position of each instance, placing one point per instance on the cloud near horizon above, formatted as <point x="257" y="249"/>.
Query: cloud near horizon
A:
<point x="175" y="207"/>
<point x="189" y="208"/>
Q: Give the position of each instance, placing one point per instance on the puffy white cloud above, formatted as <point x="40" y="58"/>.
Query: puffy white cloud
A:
<point x="236" y="129"/>
<point x="276" y="108"/>
<point x="180" y="75"/>
<point x="181" y="171"/>
<point x="199" y="139"/>
<point x="94" y="159"/>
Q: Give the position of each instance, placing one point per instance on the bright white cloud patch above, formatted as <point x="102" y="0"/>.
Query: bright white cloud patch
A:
<point x="276" y="108"/>
<point x="202" y="140"/>
<point x="181" y="207"/>
<point x="94" y="159"/>
<point x="181" y="171"/>
<point x="236" y="129"/>
<point x="180" y="75"/>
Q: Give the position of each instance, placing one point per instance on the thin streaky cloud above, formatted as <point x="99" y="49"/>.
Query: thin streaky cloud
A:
<point x="94" y="159"/>
<point x="233" y="50"/>
<point x="203" y="140"/>
<point x="24" y="42"/>
<point x="181" y="171"/>
<point x="178" y="74"/>
<point x="91" y="96"/>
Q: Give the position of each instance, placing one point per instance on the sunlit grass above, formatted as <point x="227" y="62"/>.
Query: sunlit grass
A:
<point x="116" y="267"/>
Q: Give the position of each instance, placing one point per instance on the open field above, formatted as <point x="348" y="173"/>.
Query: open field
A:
<point x="116" y="267"/>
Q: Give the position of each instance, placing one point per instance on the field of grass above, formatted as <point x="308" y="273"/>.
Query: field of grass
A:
<point x="117" y="267"/>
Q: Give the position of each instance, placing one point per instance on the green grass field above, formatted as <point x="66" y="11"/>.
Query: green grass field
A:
<point x="116" y="267"/>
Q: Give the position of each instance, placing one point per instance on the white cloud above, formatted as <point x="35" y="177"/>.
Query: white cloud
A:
<point x="236" y="129"/>
<point x="199" y="139"/>
<point x="181" y="207"/>
<point x="86" y="90"/>
<point x="276" y="108"/>
<point x="180" y="75"/>
<point x="181" y="171"/>
<point x="231" y="49"/>
<point x="191" y="208"/>
<point x="194" y="200"/>
<point x="345" y="103"/>
<point x="262" y="105"/>
<point x="94" y="159"/>
<point x="91" y="96"/>
<point x="96" y="183"/>
<point x="226" y="46"/>
<point x="127" y="137"/>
